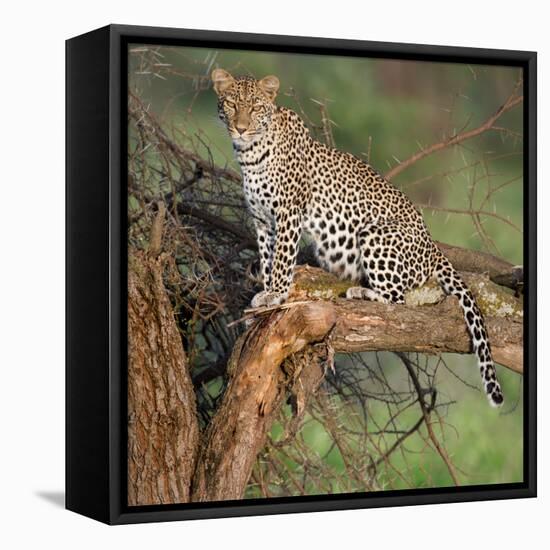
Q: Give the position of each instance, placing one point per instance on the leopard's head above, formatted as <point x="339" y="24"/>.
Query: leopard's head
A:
<point x="245" y="105"/>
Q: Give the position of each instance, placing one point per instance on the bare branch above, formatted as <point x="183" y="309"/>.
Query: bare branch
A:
<point x="426" y="413"/>
<point x="155" y="242"/>
<point x="510" y="103"/>
<point x="432" y="329"/>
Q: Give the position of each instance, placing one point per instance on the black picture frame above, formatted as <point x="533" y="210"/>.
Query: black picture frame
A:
<point x="96" y="84"/>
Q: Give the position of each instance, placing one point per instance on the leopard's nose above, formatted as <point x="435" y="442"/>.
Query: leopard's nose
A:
<point x="241" y="128"/>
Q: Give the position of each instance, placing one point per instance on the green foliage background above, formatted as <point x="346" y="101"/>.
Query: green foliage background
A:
<point x="387" y="110"/>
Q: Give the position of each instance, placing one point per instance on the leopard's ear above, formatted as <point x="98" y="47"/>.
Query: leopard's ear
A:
<point x="270" y="86"/>
<point x="221" y="80"/>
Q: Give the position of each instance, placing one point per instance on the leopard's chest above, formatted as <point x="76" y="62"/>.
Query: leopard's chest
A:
<point x="259" y="184"/>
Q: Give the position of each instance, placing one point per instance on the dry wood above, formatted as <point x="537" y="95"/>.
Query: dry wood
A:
<point x="432" y="329"/>
<point x="163" y="429"/>
<point x="253" y="397"/>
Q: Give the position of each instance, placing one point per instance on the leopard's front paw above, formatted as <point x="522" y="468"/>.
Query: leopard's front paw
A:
<point x="268" y="298"/>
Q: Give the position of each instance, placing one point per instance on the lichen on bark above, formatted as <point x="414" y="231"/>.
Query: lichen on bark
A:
<point x="494" y="300"/>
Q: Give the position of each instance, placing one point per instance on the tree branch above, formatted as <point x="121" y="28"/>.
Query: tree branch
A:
<point x="431" y="322"/>
<point x="217" y="222"/>
<point x="142" y="113"/>
<point x="253" y="398"/>
<point x="511" y="102"/>
<point x="426" y="414"/>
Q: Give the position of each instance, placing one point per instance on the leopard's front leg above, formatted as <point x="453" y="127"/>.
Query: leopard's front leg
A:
<point x="265" y="236"/>
<point x="288" y="223"/>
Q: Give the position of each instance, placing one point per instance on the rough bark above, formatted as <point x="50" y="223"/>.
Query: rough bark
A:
<point x="162" y="424"/>
<point x="431" y="329"/>
<point x="254" y="396"/>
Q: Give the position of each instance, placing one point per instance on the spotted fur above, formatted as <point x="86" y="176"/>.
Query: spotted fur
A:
<point x="363" y="228"/>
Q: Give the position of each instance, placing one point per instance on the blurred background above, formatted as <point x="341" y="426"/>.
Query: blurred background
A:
<point x="358" y="433"/>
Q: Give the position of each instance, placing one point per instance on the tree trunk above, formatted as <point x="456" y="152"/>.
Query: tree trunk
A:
<point x="163" y="429"/>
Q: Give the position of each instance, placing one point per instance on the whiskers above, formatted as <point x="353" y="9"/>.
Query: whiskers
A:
<point x="247" y="136"/>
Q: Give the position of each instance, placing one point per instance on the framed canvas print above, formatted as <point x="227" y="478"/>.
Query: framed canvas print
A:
<point x="300" y="274"/>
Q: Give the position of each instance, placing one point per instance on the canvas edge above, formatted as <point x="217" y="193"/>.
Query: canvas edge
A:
<point x="116" y="510"/>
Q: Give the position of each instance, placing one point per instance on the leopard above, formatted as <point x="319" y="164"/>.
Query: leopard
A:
<point x="363" y="227"/>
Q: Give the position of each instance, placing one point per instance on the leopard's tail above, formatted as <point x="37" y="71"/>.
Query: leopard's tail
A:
<point x="452" y="284"/>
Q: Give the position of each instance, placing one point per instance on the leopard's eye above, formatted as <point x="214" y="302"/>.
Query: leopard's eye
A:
<point x="230" y="104"/>
<point x="256" y="108"/>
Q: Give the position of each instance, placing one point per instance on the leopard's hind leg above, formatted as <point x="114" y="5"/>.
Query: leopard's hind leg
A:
<point x="385" y="270"/>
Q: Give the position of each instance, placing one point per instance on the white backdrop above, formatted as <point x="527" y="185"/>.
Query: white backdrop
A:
<point x="32" y="271"/>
